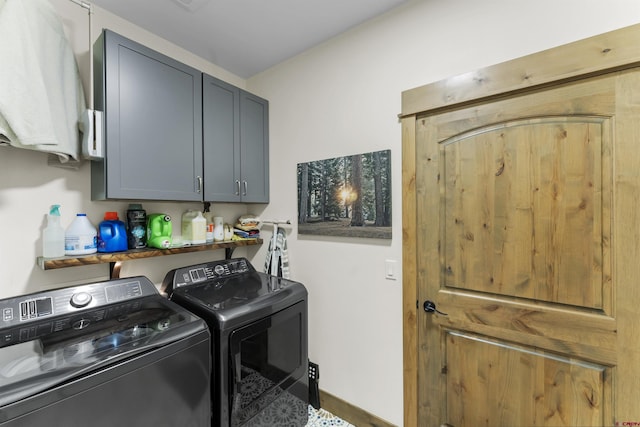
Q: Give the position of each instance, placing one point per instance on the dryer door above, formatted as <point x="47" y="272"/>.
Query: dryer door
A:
<point x="269" y="369"/>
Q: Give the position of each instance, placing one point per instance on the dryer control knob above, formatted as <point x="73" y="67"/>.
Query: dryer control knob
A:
<point x="81" y="299"/>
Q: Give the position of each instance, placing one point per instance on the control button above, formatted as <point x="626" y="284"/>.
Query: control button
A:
<point x="81" y="299"/>
<point x="219" y="270"/>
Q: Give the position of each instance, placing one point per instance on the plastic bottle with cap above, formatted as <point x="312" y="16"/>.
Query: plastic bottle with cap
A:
<point x="112" y="234"/>
<point x="209" y="227"/>
<point x="194" y="227"/>
<point x="136" y="226"/>
<point x="199" y="229"/>
<point x="81" y="237"/>
<point x="218" y="230"/>
<point x="53" y="235"/>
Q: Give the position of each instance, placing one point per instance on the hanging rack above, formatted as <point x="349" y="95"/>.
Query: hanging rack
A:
<point x="93" y="141"/>
<point x="89" y="7"/>
<point x="276" y="221"/>
<point x="274" y="237"/>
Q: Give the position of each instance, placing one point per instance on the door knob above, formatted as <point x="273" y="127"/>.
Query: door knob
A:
<point x="430" y="307"/>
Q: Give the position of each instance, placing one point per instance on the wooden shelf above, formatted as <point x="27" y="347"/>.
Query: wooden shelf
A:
<point x="117" y="257"/>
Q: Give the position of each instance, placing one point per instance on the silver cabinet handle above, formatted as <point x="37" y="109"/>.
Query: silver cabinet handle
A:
<point x="244" y="184"/>
<point x="198" y="184"/>
<point x="237" y="187"/>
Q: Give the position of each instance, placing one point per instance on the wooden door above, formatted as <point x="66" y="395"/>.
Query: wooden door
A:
<point x="526" y="236"/>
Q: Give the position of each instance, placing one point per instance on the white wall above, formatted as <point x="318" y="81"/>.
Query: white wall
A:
<point x="342" y="98"/>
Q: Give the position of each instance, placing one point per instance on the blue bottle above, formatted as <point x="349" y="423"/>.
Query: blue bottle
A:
<point x="112" y="234"/>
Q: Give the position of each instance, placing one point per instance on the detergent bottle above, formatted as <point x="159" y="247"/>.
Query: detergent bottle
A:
<point x="159" y="231"/>
<point x="136" y="226"/>
<point x="194" y="228"/>
<point x="112" y="234"/>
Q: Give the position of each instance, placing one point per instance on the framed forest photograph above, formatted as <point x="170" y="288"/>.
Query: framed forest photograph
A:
<point x="346" y="196"/>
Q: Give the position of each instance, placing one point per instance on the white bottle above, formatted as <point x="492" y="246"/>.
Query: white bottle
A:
<point x="81" y="237"/>
<point x="53" y="235"/>
<point x="209" y="231"/>
<point x="218" y="229"/>
<point x="194" y="228"/>
<point x="199" y="229"/>
<point x="187" y="226"/>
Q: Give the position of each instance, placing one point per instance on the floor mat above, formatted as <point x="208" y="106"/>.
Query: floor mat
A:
<point x="286" y="410"/>
<point x="322" y="418"/>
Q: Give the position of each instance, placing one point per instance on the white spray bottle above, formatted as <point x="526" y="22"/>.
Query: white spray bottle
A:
<point x="53" y="235"/>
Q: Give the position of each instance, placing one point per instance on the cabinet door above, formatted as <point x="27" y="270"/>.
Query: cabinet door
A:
<point x="153" y="125"/>
<point x="254" y="148"/>
<point x="221" y="140"/>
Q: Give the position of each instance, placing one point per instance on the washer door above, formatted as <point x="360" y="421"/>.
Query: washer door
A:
<point x="57" y="350"/>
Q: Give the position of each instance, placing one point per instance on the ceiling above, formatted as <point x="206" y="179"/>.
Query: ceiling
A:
<point x="246" y="37"/>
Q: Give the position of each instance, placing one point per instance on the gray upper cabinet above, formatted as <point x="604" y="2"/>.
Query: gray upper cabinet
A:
<point x="235" y="143"/>
<point x="153" y="124"/>
<point x="254" y="148"/>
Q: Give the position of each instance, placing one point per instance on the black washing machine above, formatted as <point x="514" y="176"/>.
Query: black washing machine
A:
<point x="105" y="354"/>
<point x="259" y="341"/>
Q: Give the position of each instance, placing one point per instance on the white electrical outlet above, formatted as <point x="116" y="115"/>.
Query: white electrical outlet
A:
<point x="390" y="269"/>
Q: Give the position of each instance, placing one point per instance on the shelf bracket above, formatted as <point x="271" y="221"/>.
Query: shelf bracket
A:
<point x="114" y="269"/>
<point x="228" y="253"/>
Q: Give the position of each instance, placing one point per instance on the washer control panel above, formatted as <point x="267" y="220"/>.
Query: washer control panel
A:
<point x="199" y="273"/>
<point x="34" y="307"/>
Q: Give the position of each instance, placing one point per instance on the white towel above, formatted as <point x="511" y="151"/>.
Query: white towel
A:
<point x="41" y="96"/>
<point x="277" y="262"/>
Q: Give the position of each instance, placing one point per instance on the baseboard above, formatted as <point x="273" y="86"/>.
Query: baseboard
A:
<point x="350" y="413"/>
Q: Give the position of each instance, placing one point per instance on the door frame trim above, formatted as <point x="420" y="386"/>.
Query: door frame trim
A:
<point x="601" y="54"/>
<point x="612" y="51"/>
